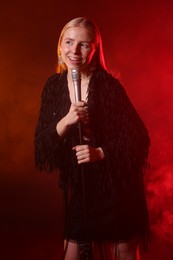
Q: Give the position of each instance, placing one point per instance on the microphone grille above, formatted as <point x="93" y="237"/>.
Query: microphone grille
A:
<point x="75" y="74"/>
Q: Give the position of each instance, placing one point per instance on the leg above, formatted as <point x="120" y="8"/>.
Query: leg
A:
<point x="127" y="250"/>
<point x="70" y="250"/>
<point x="77" y="251"/>
<point x="103" y="250"/>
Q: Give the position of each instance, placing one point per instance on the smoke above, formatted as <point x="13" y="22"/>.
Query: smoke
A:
<point x="160" y="197"/>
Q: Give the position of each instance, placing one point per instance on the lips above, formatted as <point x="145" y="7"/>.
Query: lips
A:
<point x="74" y="59"/>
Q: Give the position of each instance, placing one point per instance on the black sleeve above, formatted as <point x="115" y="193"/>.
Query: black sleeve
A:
<point x="126" y="145"/>
<point x="47" y="142"/>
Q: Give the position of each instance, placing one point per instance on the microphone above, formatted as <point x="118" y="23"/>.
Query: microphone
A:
<point x="76" y="78"/>
<point x="77" y="84"/>
<point x="77" y="89"/>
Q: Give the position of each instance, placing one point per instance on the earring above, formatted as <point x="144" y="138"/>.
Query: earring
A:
<point x="60" y="60"/>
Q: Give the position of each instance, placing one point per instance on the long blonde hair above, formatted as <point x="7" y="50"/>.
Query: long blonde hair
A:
<point x="98" y="59"/>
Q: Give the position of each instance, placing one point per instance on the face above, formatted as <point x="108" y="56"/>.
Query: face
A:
<point x="77" y="48"/>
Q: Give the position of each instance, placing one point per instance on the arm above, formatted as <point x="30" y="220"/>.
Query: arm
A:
<point x="126" y="141"/>
<point x="47" y="142"/>
<point x="52" y="127"/>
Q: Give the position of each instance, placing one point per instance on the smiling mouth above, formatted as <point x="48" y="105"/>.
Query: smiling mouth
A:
<point x="74" y="59"/>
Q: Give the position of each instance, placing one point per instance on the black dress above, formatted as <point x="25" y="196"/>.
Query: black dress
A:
<point x="115" y="205"/>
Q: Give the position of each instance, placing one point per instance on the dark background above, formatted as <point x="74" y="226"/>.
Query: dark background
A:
<point x="138" y="44"/>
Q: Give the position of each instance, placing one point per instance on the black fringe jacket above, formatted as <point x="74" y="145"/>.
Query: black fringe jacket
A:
<point x="115" y="126"/>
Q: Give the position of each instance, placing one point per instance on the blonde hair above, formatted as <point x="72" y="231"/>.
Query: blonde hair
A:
<point x="98" y="59"/>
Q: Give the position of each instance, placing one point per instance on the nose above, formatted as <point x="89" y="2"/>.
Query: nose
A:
<point x="75" y="48"/>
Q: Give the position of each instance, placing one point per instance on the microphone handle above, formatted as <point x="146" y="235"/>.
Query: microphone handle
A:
<point x="77" y="89"/>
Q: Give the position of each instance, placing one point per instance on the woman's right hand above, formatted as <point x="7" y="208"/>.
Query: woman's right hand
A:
<point x="77" y="113"/>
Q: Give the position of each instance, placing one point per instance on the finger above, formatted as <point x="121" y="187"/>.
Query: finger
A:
<point x="81" y="157"/>
<point x="83" y="160"/>
<point x="79" y="148"/>
<point x="80" y="104"/>
<point x="75" y="147"/>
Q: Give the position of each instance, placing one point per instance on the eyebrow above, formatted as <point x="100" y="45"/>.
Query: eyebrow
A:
<point x="67" y="38"/>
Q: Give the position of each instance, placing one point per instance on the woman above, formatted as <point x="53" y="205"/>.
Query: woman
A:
<point x="102" y="174"/>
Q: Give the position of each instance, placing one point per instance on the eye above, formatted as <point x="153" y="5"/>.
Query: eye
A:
<point x="85" y="45"/>
<point x="68" y="42"/>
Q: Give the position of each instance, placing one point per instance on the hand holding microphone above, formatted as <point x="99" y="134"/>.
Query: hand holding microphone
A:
<point x="78" y="110"/>
<point x="77" y="113"/>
